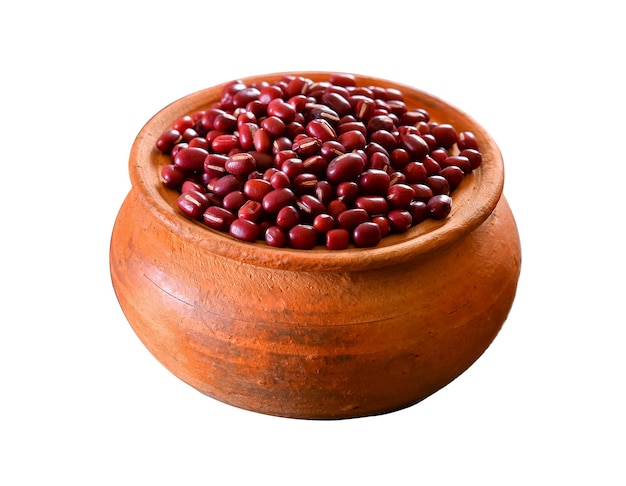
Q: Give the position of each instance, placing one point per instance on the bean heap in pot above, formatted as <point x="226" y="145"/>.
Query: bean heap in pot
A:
<point x="299" y="163"/>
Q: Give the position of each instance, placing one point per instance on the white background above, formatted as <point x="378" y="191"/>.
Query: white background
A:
<point x="83" y="402"/>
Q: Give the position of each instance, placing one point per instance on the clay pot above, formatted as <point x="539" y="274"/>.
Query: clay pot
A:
<point x="316" y="334"/>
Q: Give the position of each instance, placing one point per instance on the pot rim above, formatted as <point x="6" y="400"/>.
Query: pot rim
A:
<point x="472" y="202"/>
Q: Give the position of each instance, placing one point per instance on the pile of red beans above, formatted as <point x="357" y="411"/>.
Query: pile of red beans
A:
<point x="299" y="163"/>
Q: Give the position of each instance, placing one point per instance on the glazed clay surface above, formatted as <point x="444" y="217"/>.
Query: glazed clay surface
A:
<point x="316" y="334"/>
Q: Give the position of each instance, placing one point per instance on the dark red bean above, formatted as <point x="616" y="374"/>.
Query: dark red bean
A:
<point x="240" y="164"/>
<point x="459" y="161"/>
<point x="380" y="122"/>
<point x="224" y="143"/>
<point x="422" y="192"/>
<point x="275" y="236"/>
<point x="418" y="211"/>
<point x="218" y="218"/>
<point x="304" y="183"/>
<point x="346" y="167"/>
<point x="302" y="237"/>
<point x="225" y="185"/>
<point x="415" y="145"/>
<point x="287" y="217"/>
<point x="454" y="175"/>
<point x="439" y="206"/>
<point x="190" y="159"/>
<point x="415" y="172"/>
<point x="172" y="176"/>
<point x="385" y="139"/>
<point x="321" y="129"/>
<point x="431" y="165"/>
<point x="183" y="123"/>
<point x="251" y="210"/>
<point x="374" y="182"/>
<point x="347" y="191"/>
<point x="467" y="140"/>
<point x="445" y="135"/>
<point x="262" y="140"/>
<point x="274" y="126"/>
<point x="307" y="146"/>
<point x="337" y="239"/>
<point x="374" y="205"/>
<point x="256" y="189"/>
<point x="324" y="191"/>
<point x="310" y="206"/>
<point x="331" y="149"/>
<point x="167" y="140"/>
<point x="189" y="185"/>
<point x="367" y="234"/>
<point x="438" y="184"/>
<point x="234" y="200"/>
<point x="351" y="218"/>
<point x="337" y="102"/>
<point x="193" y="203"/>
<point x="400" y="195"/>
<point x="215" y="165"/>
<point x="244" y="229"/>
<point x="323" y="223"/>
<point x="277" y="199"/>
<point x="281" y="109"/>
<point x="280" y="179"/>
<point x="400" y="220"/>
<point x="474" y="156"/>
<point x="352" y="140"/>
<point x="383" y="223"/>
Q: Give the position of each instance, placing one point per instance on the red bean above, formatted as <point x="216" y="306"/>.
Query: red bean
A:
<point x="367" y="234"/>
<point x="374" y="182"/>
<point x="438" y="184"/>
<point x="415" y="145"/>
<point x="172" y="176"/>
<point x="400" y="195"/>
<point x="374" y="205"/>
<point x="244" y="229"/>
<point x="302" y="237"/>
<point x="251" y="210"/>
<point x="474" y="156"/>
<point x="167" y="140"/>
<point x="275" y="236"/>
<point x="190" y="159"/>
<point x="276" y="199"/>
<point x="234" y="200"/>
<point x="337" y="239"/>
<point x="351" y="218"/>
<point x="256" y="189"/>
<point x="439" y="206"/>
<point x="346" y="167"/>
<point x="400" y="220"/>
<point x="225" y="185"/>
<point x="287" y="217"/>
<point x="218" y="218"/>
<point x="193" y="203"/>
<point x="281" y="109"/>
<point x="240" y="164"/>
<point x="445" y="135"/>
<point x="323" y="222"/>
<point x="454" y="175"/>
<point x="467" y="140"/>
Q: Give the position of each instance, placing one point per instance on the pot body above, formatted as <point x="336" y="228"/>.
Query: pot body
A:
<point x="316" y="333"/>
<point x="319" y="344"/>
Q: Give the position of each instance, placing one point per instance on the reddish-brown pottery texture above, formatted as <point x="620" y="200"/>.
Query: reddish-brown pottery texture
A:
<point x="316" y="334"/>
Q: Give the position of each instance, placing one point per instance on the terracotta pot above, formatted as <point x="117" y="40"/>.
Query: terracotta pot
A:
<point x="316" y="334"/>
